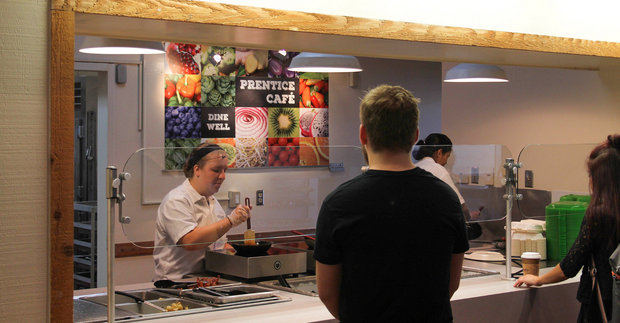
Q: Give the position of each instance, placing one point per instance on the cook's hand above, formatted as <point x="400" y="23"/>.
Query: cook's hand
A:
<point x="474" y="215"/>
<point x="529" y="280"/>
<point x="240" y="214"/>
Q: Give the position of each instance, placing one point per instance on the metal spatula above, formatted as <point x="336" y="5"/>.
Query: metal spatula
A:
<point x="249" y="235"/>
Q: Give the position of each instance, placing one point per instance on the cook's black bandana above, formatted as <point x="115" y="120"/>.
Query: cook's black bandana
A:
<point x="197" y="154"/>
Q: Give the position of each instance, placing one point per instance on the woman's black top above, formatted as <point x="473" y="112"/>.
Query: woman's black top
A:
<point x="588" y="243"/>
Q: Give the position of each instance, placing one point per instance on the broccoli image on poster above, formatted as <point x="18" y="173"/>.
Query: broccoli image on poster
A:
<point x="217" y="91"/>
<point x="217" y="60"/>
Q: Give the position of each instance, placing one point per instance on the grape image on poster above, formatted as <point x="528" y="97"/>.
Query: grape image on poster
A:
<point x="182" y="122"/>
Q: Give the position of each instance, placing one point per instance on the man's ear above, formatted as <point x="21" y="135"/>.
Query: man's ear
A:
<point x="363" y="135"/>
<point x="417" y="135"/>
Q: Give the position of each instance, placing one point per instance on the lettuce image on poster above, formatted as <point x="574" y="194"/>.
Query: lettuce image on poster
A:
<point x="176" y="152"/>
<point x="251" y="122"/>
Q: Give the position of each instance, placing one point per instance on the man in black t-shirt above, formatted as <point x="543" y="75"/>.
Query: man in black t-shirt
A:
<point x="390" y="242"/>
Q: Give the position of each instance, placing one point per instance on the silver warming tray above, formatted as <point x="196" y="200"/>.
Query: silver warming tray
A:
<point x="230" y="294"/>
<point x="93" y="308"/>
<point x="300" y="285"/>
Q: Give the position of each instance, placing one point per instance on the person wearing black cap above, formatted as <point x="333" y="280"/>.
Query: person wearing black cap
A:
<point x="191" y="219"/>
<point x="432" y="155"/>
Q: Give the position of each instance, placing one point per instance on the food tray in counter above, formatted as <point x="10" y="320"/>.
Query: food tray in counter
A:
<point x="230" y="293"/>
<point x="300" y="285"/>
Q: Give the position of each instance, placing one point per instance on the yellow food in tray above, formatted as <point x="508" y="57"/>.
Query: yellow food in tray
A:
<point x="176" y="306"/>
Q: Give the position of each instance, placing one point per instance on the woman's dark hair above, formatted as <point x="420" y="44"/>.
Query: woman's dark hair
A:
<point x="604" y="208"/>
<point x="432" y="143"/>
<point x="196" y="157"/>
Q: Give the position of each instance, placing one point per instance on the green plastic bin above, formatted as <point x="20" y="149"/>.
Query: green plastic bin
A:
<point x="574" y="197"/>
<point x="563" y="223"/>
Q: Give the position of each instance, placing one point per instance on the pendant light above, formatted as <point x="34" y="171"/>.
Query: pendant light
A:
<point x="111" y="46"/>
<point x="472" y="73"/>
<point x="324" y="63"/>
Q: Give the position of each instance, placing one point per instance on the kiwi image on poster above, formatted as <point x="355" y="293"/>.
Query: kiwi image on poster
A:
<point x="283" y="122"/>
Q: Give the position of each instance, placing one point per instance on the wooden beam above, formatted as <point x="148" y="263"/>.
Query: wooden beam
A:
<point x="62" y="25"/>
<point x="283" y="20"/>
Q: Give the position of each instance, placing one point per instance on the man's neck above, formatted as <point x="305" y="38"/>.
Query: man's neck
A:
<point x="390" y="161"/>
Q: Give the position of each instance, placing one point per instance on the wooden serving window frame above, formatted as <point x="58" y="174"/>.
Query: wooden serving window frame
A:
<point x="190" y="21"/>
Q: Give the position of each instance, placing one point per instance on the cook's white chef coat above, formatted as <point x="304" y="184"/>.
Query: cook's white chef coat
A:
<point x="428" y="164"/>
<point x="182" y="210"/>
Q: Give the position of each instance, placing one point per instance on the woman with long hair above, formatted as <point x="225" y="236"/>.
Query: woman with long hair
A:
<point x="598" y="237"/>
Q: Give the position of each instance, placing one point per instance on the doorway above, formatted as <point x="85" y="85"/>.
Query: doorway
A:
<point x="90" y="159"/>
<point x="85" y="180"/>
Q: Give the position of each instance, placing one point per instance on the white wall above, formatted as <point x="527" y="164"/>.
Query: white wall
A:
<point x="24" y="159"/>
<point x="537" y="106"/>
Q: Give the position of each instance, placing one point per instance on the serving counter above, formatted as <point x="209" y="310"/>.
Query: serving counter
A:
<point x="478" y="299"/>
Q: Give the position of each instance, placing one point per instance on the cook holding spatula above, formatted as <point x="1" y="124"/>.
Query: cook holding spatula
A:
<point x="191" y="219"/>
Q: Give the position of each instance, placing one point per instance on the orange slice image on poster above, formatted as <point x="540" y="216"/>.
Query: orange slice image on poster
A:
<point x="308" y="154"/>
<point x="322" y="147"/>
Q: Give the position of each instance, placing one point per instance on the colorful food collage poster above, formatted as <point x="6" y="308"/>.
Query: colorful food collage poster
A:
<point x="246" y="101"/>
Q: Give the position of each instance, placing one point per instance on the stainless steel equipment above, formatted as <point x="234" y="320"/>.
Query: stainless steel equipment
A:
<point x="300" y="285"/>
<point x="303" y="247"/>
<point x="93" y="308"/>
<point x="277" y="261"/>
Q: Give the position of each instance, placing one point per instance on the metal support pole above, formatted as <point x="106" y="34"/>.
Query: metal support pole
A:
<point x="510" y="181"/>
<point x="111" y="185"/>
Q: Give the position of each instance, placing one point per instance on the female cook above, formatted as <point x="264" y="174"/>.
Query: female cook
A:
<point x="190" y="219"/>
<point x="432" y="154"/>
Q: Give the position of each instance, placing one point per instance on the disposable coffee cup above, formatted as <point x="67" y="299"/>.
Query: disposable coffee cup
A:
<point x="531" y="263"/>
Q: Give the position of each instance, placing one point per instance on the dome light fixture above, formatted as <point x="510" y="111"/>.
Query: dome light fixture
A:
<point x="324" y="63"/>
<point x="475" y="73"/>
<point x="111" y="46"/>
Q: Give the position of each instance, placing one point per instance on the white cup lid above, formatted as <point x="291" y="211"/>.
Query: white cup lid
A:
<point x="530" y="255"/>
